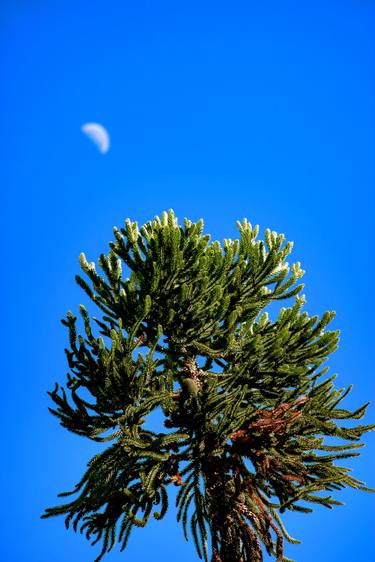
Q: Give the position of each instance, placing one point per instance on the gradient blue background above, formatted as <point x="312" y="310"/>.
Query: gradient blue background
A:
<point x="219" y="110"/>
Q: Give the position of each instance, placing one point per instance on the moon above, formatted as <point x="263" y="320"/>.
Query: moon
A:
<point x="98" y="134"/>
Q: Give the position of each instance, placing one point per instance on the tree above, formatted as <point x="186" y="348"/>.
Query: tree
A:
<point x="245" y="400"/>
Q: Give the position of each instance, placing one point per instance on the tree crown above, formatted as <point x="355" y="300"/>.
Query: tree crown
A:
<point x="246" y="404"/>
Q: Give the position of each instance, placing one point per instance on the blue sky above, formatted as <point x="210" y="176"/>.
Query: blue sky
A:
<point x="262" y="110"/>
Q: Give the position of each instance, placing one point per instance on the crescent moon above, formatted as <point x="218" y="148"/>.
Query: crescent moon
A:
<point x="98" y="134"/>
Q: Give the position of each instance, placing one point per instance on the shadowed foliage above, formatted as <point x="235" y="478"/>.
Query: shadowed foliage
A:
<point x="246" y="402"/>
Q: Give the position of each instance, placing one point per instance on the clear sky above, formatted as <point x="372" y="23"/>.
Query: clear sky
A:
<point x="220" y="110"/>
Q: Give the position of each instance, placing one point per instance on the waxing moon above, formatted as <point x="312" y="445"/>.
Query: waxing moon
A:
<point x="98" y="134"/>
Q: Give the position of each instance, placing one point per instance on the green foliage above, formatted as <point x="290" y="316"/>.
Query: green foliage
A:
<point x="244" y="398"/>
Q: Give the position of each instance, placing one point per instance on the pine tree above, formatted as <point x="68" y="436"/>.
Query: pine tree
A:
<point x="245" y="401"/>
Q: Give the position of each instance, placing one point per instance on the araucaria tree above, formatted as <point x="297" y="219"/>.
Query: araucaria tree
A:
<point x="245" y="401"/>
